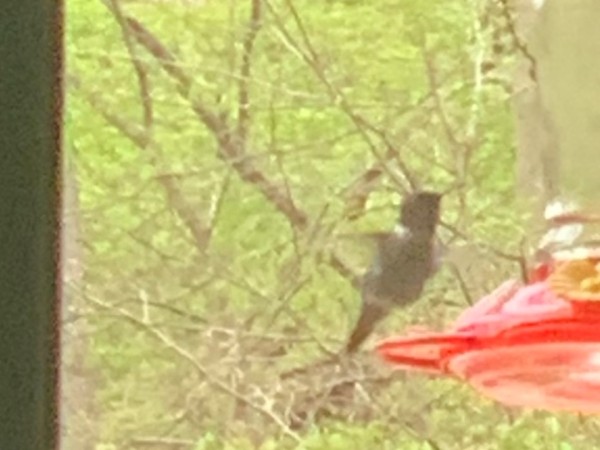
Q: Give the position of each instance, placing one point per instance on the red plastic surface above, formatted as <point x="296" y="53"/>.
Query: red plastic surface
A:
<point x="557" y="376"/>
<point x="425" y="352"/>
<point x="520" y="345"/>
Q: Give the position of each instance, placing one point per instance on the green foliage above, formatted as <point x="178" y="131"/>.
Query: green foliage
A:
<point x="174" y="324"/>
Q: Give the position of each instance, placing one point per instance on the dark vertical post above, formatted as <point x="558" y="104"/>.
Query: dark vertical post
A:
<point x="30" y="138"/>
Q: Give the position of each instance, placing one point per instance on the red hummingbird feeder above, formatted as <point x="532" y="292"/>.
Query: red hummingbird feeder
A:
<point x="534" y="345"/>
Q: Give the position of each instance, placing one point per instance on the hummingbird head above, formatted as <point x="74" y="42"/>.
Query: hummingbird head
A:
<point x="420" y="211"/>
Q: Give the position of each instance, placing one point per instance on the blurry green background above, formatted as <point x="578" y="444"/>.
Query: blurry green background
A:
<point x="223" y="159"/>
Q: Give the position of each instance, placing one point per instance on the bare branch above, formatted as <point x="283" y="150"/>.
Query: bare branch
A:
<point x="441" y="110"/>
<point x="229" y="146"/>
<point x="170" y="344"/>
<point x="201" y="233"/>
<point x="310" y="57"/>
<point x="162" y="442"/>
<point x="462" y="284"/>
<point x="244" y="100"/>
<point x="140" y="70"/>
<point x="517" y="40"/>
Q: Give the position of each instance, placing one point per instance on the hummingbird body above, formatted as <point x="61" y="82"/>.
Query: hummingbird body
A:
<point x="406" y="258"/>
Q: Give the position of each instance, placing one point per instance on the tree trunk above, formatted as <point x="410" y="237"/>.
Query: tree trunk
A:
<point x="558" y="108"/>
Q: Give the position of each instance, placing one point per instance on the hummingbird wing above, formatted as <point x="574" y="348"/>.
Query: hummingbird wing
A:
<point x="388" y="283"/>
<point x="361" y="249"/>
<point x="405" y="261"/>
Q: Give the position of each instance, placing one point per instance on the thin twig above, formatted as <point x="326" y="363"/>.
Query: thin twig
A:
<point x="202" y="371"/>
<point x="244" y="96"/>
<point x="229" y="144"/>
<point x="310" y="57"/>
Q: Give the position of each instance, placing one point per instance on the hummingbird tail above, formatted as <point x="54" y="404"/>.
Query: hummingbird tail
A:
<point x="370" y="316"/>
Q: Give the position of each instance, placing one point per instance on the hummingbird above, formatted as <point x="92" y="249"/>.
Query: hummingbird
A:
<point x="405" y="259"/>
